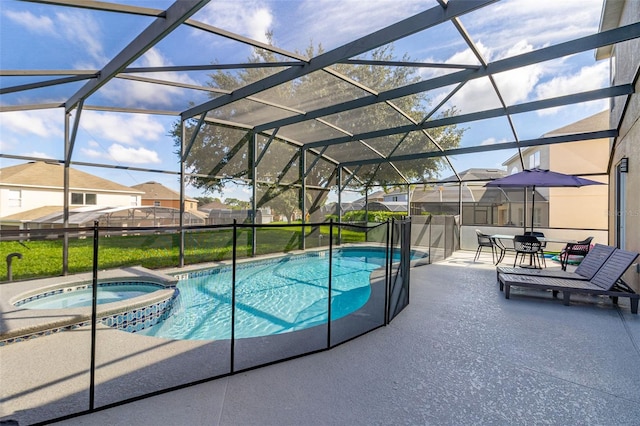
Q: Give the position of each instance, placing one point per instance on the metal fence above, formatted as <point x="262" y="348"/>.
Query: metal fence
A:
<point x="93" y="363"/>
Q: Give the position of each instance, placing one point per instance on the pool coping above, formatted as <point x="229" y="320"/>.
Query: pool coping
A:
<point x="16" y="321"/>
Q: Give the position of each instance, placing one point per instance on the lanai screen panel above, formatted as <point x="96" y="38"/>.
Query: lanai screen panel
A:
<point x="385" y="145"/>
<point x="53" y="96"/>
<point x="421" y="141"/>
<point x="316" y="90"/>
<point x="309" y="131"/>
<point x="319" y="172"/>
<point x="135" y="91"/>
<point x="280" y="164"/>
<point x="202" y="60"/>
<point x="348" y="150"/>
<point x="553" y="25"/>
<point x="370" y="174"/>
<point x="415" y="171"/>
<point x="282" y="200"/>
<point x="218" y="151"/>
<point x="249" y="113"/>
<point x="369" y="118"/>
<point x="46" y="124"/>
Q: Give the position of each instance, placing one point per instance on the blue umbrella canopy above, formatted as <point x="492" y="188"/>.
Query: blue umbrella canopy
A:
<point x="543" y="178"/>
<point x="540" y="178"/>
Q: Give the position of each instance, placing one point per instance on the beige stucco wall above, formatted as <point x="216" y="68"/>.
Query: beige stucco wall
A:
<point x="583" y="157"/>
<point x="584" y="207"/>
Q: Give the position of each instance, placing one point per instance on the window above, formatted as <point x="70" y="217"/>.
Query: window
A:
<point x="134" y="200"/>
<point x="156" y="203"/>
<point x="15" y="198"/>
<point x="77" y="198"/>
<point x="80" y="198"/>
<point x="534" y="160"/>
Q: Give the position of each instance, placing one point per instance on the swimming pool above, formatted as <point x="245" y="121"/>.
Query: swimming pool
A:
<point x="272" y="297"/>
<point x="79" y="296"/>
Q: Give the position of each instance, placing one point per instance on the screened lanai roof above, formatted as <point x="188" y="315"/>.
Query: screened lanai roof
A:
<point x="363" y="91"/>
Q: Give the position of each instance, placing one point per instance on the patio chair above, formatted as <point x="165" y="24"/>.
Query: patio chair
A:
<point x="485" y="240"/>
<point x="592" y="262"/>
<point x="606" y="282"/>
<point x="581" y="248"/>
<point x="543" y="244"/>
<point x="527" y="245"/>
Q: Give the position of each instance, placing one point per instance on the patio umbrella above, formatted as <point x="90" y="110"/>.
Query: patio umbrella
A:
<point x="540" y="178"/>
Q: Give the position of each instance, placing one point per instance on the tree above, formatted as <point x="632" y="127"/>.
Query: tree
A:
<point x="222" y="153"/>
<point x="234" y="203"/>
<point x="285" y="204"/>
<point x="206" y="200"/>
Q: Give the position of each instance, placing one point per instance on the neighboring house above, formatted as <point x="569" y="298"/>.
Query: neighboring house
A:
<point x="158" y="195"/>
<point x="228" y="215"/>
<point x="218" y="213"/>
<point x="214" y="205"/>
<point x="394" y="197"/>
<point x="479" y="204"/>
<point x="624" y="166"/>
<point x="34" y="190"/>
<point x="584" y="207"/>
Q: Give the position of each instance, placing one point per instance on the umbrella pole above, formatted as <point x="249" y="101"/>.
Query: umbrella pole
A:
<point x="524" y="215"/>
<point x="533" y="204"/>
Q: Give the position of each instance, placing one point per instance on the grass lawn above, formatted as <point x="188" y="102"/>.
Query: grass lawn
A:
<point x="44" y="258"/>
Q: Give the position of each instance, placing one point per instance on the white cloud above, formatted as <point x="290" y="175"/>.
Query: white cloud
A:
<point x="251" y="18"/>
<point x="134" y="93"/>
<point x="78" y="28"/>
<point x="326" y="20"/>
<point x="492" y="141"/>
<point x="122" y="154"/>
<point x="42" y="123"/>
<point x="121" y="128"/>
<point x="37" y="154"/>
<point x="515" y="86"/>
<point x="33" y="23"/>
<point x="93" y="153"/>
<point x="84" y="31"/>
<point x="587" y="78"/>
<point x="540" y="22"/>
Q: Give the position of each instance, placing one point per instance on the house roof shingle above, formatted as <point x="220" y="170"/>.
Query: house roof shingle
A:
<point x="41" y="174"/>
<point x="157" y="191"/>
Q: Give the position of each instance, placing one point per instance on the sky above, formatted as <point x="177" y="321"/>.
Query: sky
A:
<point x="71" y="38"/>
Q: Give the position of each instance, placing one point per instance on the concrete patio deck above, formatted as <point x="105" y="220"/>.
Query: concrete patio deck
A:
<point x="459" y="354"/>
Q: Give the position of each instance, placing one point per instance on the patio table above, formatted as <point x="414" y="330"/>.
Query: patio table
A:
<point x="499" y="239"/>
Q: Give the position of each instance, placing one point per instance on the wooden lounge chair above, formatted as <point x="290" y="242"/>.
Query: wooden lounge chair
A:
<point x="592" y="262"/>
<point x="605" y="282"/>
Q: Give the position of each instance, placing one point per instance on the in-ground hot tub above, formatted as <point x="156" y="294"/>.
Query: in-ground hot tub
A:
<point x="129" y="299"/>
<point x="82" y="295"/>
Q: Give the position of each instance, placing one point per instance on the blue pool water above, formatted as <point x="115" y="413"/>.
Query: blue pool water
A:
<point x="272" y="297"/>
<point x="79" y="297"/>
